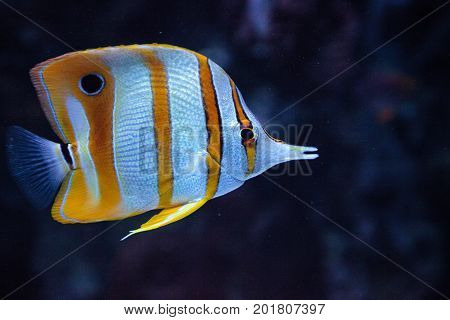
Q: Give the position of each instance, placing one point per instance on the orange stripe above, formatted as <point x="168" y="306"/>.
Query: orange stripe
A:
<point x="240" y="113"/>
<point x="99" y="112"/>
<point x="245" y="123"/>
<point x="161" y="119"/>
<point x="213" y="125"/>
<point x="62" y="76"/>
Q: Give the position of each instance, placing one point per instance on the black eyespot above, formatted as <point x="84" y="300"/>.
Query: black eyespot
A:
<point x="91" y="84"/>
<point x="247" y="134"/>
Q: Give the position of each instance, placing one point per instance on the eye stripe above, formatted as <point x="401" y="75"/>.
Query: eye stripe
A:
<point x="241" y="116"/>
<point x="245" y="123"/>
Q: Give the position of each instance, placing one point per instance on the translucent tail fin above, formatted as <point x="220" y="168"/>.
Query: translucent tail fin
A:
<point x="37" y="164"/>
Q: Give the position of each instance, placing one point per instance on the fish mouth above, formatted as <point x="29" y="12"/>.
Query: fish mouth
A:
<point x="285" y="153"/>
<point x="303" y="153"/>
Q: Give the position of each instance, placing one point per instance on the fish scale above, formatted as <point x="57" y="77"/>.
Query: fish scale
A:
<point x="133" y="118"/>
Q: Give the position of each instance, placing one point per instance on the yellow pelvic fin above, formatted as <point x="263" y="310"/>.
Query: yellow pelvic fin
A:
<point x="168" y="216"/>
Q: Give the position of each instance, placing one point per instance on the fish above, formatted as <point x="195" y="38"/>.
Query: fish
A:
<point x="142" y="128"/>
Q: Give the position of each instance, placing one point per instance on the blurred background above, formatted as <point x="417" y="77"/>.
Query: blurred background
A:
<point x="381" y="128"/>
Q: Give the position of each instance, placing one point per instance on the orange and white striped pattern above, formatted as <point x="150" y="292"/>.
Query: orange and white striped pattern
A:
<point x="163" y="132"/>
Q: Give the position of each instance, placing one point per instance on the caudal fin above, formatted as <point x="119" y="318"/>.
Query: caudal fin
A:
<point x="37" y="164"/>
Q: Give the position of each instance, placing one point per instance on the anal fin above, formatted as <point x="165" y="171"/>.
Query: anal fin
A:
<point x="168" y="216"/>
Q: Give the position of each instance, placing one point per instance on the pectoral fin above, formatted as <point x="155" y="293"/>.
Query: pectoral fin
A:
<point x="168" y="216"/>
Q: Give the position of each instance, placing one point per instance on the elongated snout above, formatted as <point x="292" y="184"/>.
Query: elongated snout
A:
<point x="272" y="152"/>
<point x="282" y="152"/>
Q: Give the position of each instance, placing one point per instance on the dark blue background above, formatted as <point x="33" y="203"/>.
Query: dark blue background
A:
<point x="382" y="129"/>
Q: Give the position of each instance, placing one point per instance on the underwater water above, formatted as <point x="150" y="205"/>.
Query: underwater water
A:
<point x="382" y="179"/>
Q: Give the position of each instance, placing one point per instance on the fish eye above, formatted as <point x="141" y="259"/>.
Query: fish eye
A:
<point x="247" y="134"/>
<point x="91" y="84"/>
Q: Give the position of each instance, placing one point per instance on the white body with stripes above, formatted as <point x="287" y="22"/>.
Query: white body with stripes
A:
<point x="145" y="127"/>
